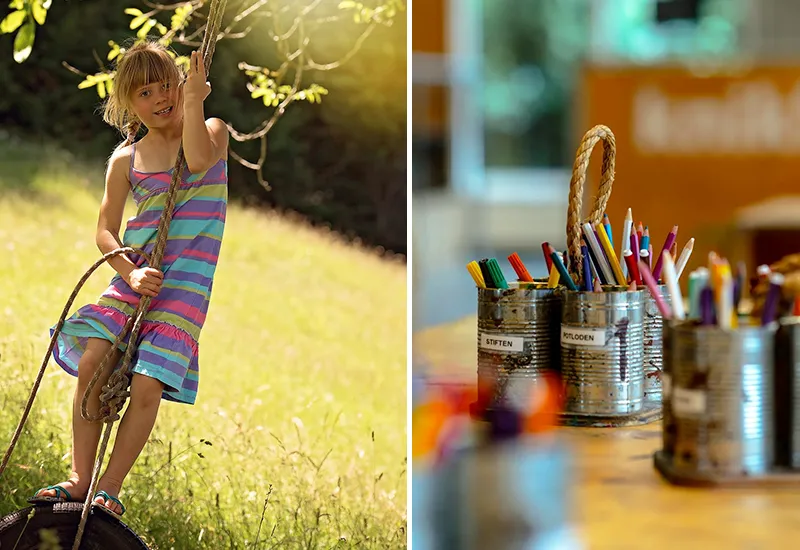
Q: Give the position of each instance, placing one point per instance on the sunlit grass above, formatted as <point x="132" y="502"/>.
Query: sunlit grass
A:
<point x="302" y="388"/>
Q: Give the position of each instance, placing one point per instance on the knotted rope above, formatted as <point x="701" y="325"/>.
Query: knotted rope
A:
<point x="114" y="394"/>
<point x="574" y="208"/>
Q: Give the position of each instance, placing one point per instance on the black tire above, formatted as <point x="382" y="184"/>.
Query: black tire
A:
<point x="103" y="531"/>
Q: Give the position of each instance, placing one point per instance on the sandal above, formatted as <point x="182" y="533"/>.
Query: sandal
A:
<point x="62" y="495"/>
<point x="106" y="497"/>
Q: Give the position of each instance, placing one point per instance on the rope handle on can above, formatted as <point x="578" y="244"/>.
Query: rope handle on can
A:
<point x="576" y="188"/>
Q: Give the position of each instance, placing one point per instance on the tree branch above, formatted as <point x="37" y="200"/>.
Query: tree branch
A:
<point x="258" y="4"/>
<point x="169" y="7"/>
<point x="72" y="69"/>
<point x="336" y="64"/>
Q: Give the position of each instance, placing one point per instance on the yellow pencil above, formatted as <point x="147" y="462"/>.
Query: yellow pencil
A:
<point x="555" y="276"/>
<point x="475" y="270"/>
<point x="612" y="256"/>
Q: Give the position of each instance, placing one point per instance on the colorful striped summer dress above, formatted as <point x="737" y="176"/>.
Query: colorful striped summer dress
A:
<point x="168" y="341"/>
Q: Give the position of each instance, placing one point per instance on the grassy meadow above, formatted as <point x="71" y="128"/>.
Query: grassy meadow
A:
<point x="299" y="433"/>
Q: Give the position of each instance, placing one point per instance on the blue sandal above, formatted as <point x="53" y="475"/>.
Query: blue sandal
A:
<point x="106" y="497"/>
<point x="62" y="495"/>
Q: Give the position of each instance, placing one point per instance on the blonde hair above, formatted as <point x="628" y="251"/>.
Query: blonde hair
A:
<point x="143" y="63"/>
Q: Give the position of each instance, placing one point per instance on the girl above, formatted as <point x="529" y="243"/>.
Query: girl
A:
<point x="149" y="90"/>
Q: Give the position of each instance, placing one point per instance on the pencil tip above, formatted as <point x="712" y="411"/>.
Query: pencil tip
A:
<point x="674" y="228"/>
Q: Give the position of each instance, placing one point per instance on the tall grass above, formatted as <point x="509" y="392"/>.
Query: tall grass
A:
<point x="298" y="437"/>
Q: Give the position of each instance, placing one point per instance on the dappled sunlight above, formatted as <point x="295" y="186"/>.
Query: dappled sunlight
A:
<point x="302" y="378"/>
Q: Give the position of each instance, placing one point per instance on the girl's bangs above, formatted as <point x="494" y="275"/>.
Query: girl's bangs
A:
<point x="147" y="67"/>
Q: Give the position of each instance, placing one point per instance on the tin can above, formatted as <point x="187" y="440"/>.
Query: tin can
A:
<point x="602" y="356"/>
<point x="722" y="399"/>
<point x="787" y="393"/>
<point x="503" y="496"/>
<point x="667" y="420"/>
<point x="517" y="339"/>
<point x="653" y="346"/>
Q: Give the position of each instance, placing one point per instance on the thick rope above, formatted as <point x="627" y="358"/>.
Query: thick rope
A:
<point x="576" y="185"/>
<point x="115" y="392"/>
<point x="59" y="325"/>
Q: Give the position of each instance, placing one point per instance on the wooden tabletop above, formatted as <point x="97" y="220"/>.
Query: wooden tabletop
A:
<point x="621" y="501"/>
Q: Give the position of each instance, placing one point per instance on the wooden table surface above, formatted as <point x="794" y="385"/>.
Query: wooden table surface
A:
<point x="621" y="500"/>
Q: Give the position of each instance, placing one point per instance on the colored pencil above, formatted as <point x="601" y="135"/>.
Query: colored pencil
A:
<point x="607" y="227"/>
<point x="652" y="286"/>
<point x="770" y="311"/>
<point x="547" y="259"/>
<point x="633" y="268"/>
<point x="645" y="239"/>
<point x="674" y="289"/>
<point x="552" y="281"/>
<point x="587" y="268"/>
<point x="671" y="236"/>
<point x="684" y="259"/>
<point x="590" y="236"/>
<point x="627" y="225"/>
<point x="562" y="270"/>
<point x="612" y="256"/>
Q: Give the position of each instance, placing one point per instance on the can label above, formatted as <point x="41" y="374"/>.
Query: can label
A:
<point x="501" y="342"/>
<point x="586" y="337"/>
<point x="686" y="401"/>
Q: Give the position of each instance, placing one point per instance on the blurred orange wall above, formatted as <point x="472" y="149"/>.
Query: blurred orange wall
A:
<point x="427" y="33"/>
<point x="428" y="37"/>
<point x="692" y="149"/>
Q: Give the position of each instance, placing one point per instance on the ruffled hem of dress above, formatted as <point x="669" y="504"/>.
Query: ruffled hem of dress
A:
<point x="164" y="352"/>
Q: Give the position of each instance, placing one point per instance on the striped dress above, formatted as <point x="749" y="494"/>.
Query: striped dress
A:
<point x="168" y="341"/>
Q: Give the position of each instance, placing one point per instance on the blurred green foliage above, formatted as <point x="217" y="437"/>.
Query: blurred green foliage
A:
<point x="340" y="160"/>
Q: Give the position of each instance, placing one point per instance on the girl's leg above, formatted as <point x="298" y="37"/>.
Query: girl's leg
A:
<point x="86" y="435"/>
<point x="134" y="430"/>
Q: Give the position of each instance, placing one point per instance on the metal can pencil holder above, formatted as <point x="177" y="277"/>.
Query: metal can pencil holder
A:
<point x="653" y="347"/>
<point x="503" y="497"/>
<point x="667" y="423"/>
<point x="517" y="339"/>
<point x="602" y="333"/>
<point x="721" y="400"/>
<point x="602" y="357"/>
<point x="787" y="393"/>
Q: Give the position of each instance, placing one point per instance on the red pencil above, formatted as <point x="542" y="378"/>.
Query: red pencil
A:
<point x="640" y="231"/>
<point x="546" y="248"/>
<point x="633" y="266"/>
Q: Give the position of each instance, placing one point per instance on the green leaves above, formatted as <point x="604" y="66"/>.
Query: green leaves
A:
<point x="23" y="20"/>
<point x="39" y="10"/>
<point x="383" y="14"/>
<point x="23" y="43"/>
<point x="103" y="82"/>
<point x="144" y="23"/>
<point x="272" y="93"/>
<point x="12" y="21"/>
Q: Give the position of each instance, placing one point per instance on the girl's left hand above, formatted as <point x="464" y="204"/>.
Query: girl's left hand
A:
<point x="196" y="88"/>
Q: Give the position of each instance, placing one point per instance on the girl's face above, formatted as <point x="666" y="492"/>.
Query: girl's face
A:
<point x="158" y="104"/>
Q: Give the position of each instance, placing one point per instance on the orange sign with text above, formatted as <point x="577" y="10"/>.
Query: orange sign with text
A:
<point x="694" y="148"/>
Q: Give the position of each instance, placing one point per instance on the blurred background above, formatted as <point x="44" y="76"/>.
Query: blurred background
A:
<point x="703" y="97"/>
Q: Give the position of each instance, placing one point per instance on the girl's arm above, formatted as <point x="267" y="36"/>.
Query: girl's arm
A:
<point x="204" y="141"/>
<point x="111" y="210"/>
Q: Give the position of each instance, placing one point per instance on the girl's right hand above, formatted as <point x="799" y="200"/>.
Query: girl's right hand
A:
<point x="146" y="281"/>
